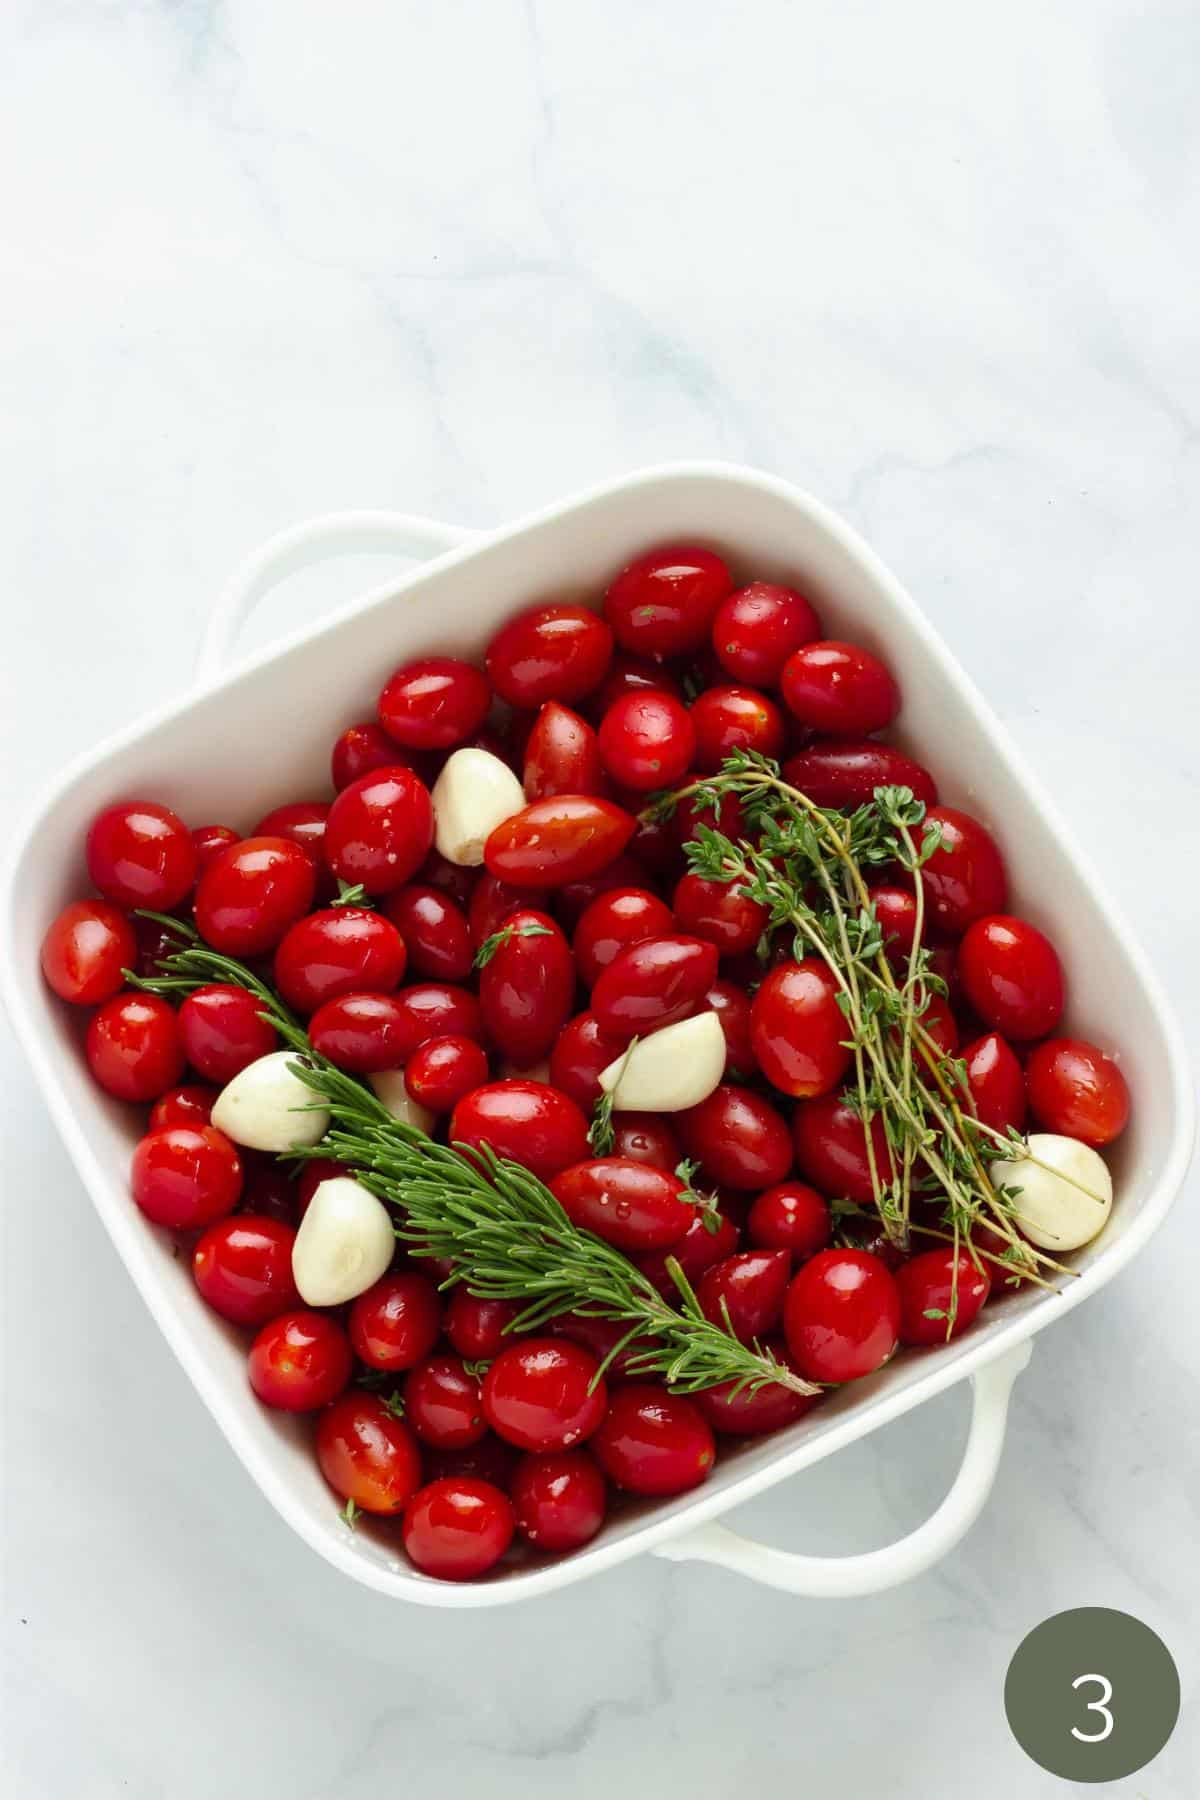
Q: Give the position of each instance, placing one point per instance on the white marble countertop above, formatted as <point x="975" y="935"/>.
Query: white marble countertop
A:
<point x="936" y="263"/>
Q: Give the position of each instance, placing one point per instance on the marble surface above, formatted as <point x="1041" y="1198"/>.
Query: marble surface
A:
<point x="937" y="263"/>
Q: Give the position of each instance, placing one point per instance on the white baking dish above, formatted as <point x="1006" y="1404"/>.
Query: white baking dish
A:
<point x="248" y="738"/>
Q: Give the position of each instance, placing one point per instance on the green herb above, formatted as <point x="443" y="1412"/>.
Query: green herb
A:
<point x="349" y="1513"/>
<point x="505" y="935"/>
<point x="351" y="896"/>
<point x="601" y="1136"/>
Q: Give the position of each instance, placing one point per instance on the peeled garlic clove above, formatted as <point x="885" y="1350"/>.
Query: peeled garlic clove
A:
<point x="670" y="1071"/>
<point x="392" y="1092"/>
<point x="474" y="793"/>
<point x="344" y="1244"/>
<point x="260" y="1107"/>
<point x="1055" y="1207"/>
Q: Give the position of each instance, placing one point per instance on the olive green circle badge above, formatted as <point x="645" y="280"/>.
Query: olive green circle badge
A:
<point x="1092" y="1694"/>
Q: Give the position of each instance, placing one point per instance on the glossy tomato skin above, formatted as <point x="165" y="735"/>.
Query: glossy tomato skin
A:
<point x="628" y="675"/>
<point x="443" y="1403"/>
<point x="839" y="688"/>
<point x="86" y="950"/>
<point x="191" y="1104"/>
<point x="444" y="1071"/>
<point x="186" y="1176"/>
<point x="928" y="1286"/>
<point x="300" y="1361"/>
<point x="896" y="911"/>
<point x="966" y="877"/>
<point x="844" y="772"/>
<point x="831" y="1149"/>
<point x="580" y="1056"/>
<point x="726" y="719"/>
<point x="542" y="1393"/>
<point x="340" y="950"/>
<point x="749" y="1413"/>
<point x="798" y="1030"/>
<point x="1077" y="1091"/>
<point x="368" y="1455"/>
<point x="133" y="1047"/>
<point x="739" y="1138"/>
<point x="359" y="751"/>
<point x="525" y="1122"/>
<point x="756" y="629"/>
<point x="556" y="841"/>
<point x="652" y="984"/>
<point x="527" y="987"/>
<point x="572" y="900"/>
<point x="558" y="1500"/>
<point x="141" y="854"/>
<point x="720" y="912"/>
<point x="733" y="1008"/>
<point x="646" y="1138"/>
<point x="790" y="1216"/>
<point x="223" y="1031"/>
<point x="242" y="1267"/>
<point x="629" y="1204"/>
<point x="727" y="817"/>
<point x="997" y="1082"/>
<point x="301" y="822"/>
<point x="435" y="930"/>
<point x="491" y="902"/>
<point x="477" y="1327"/>
<point x="709" y="1239"/>
<point x="380" y="829"/>
<point x="248" y="897"/>
<point x="549" y="653"/>
<point x="562" y="755"/>
<point x="457" y="1528"/>
<point x="664" y="603"/>
<point x="1011" y="975"/>
<point x="841" y="1316"/>
<point x="209" y="841"/>
<point x="614" y="921"/>
<point x="434" y="703"/>
<point x="744" y="1293"/>
<point x="395" y="1323"/>
<point x="647" y="740"/>
<point x="437" y="1009"/>
<point x="362" y="1033"/>
<point x="653" y="1442"/>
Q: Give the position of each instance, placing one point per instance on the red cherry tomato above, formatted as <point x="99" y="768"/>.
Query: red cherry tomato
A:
<point x="477" y="1327"/>
<point x="444" y="1071"/>
<point x="443" y="1403"/>
<point x="734" y="718"/>
<point x="839" y="688"/>
<point x="965" y="878"/>
<point x="790" y="1216"/>
<point x="720" y="912"/>
<point x="664" y="603"/>
<point x="630" y="675"/>
<point x="185" y="1177"/>
<point x="709" y="1239"/>
<point x="248" y="897"/>
<point x="758" y="628"/>
<point x="435" y="930"/>
<point x="380" y="829"/>
<point x="1078" y="1091"/>
<point x="798" y="1030"/>
<point x="579" y="1057"/>
<point x="556" y="841"/>
<point x="524" y="1122"/>
<point x="526" y="987"/>
<point x="627" y="1203"/>
<point x="739" y="1137"/>
<point x="841" y="1316"/>
<point x="365" y="1033"/>
<point x="140" y="854"/>
<point x="543" y="1394"/>
<point x="341" y="950"/>
<point x="726" y="818"/>
<point x="647" y="740"/>
<point x="243" y="1269"/>
<point x="491" y="903"/>
<point x="653" y="1442"/>
<point x="997" y="1083"/>
<point x="222" y="1030"/>
<point x="732" y="1006"/>
<point x="844" y="772"/>
<point x="747" y="1412"/>
<point x="896" y="911"/>
<point x="86" y="951"/>
<point x="209" y="841"/>
<point x="646" y="1138"/>
<point x="457" y="1528"/>
<point x="300" y="1361"/>
<point x="613" y="922"/>
<point x="190" y="1105"/>
<point x="744" y="1293"/>
<point x="572" y="900"/>
<point x="133" y="1047"/>
<point x="448" y="878"/>
<point x="654" y="983"/>
<point x="549" y="653"/>
<point x="935" y="1304"/>
<point x="395" y="1323"/>
<point x="434" y="703"/>
<point x="368" y="1455"/>
<point x="562" y="755"/>
<point x="359" y="751"/>
<point x="558" y="1500"/>
<point x="302" y="823"/>
<point x="831" y="1149"/>
<point x="1012" y="976"/>
<point x="602" y="1337"/>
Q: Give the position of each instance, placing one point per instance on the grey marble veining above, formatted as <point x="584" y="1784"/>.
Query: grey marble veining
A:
<point x="938" y="264"/>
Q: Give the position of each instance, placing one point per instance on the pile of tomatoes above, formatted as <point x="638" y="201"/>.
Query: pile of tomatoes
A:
<point x="426" y="1408"/>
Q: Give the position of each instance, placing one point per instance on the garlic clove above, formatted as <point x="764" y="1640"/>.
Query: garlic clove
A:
<point x="1055" y="1207"/>
<point x="392" y="1092"/>
<point x="474" y="793"/>
<point x="261" y="1108"/>
<point x="345" y="1242"/>
<point x="673" y="1069"/>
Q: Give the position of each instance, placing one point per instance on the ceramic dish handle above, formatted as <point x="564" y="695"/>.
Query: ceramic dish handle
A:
<point x="842" y="1577"/>
<point x="316" y="540"/>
